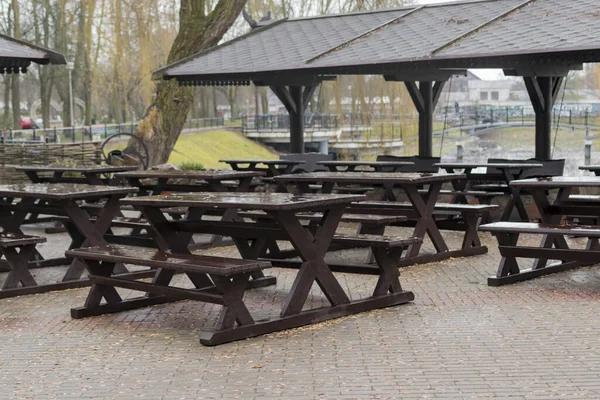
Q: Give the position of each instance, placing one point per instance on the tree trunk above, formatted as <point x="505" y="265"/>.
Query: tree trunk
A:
<point x="165" y="119"/>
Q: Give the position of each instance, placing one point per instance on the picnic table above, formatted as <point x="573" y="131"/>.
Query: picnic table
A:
<point x="272" y="167"/>
<point x="508" y="172"/>
<point x="59" y="199"/>
<point x="421" y="207"/>
<point x="592" y="168"/>
<point x="376" y="166"/>
<point x="252" y="240"/>
<point x="206" y="180"/>
<point x="553" y="229"/>
<point x="93" y="175"/>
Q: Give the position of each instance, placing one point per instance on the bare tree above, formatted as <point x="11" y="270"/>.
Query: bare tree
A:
<point x="198" y="30"/>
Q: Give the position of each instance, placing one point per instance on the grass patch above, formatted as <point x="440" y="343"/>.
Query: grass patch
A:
<point x="208" y="148"/>
<point x="191" y="166"/>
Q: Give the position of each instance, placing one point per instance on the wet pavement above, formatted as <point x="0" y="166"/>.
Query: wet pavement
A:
<point x="458" y="339"/>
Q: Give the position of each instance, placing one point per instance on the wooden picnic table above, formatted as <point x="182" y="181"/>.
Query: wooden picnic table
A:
<point x="272" y="167"/>
<point x="207" y="180"/>
<point x="592" y="168"/>
<point x="422" y="205"/>
<point x="93" y="175"/>
<point x="59" y="199"/>
<point x="352" y="165"/>
<point x="508" y="173"/>
<point x="552" y="228"/>
<point x="252" y="240"/>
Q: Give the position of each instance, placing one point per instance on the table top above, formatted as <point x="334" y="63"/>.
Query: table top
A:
<point x="558" y="182"/>
<point x="260" y="161"/>
<point x="99" y="169"/>
<point x="370" y="177"/>
<point x="246" y="201"/>
<point x="207" y="174"/>
<point x="590" y="167"/>
<point x="489" y="165"/>
<point x="366" y="163"/>
<point x="62" y="191"/>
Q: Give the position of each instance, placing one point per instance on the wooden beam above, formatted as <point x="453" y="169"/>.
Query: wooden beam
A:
<point x="307" y="95"/>
<point x="415" y="95"/>
<point x="557" y="83"/>
<point x="438" y="87"/>
<point x="283" y="94"/>
<point x="535" y="93"/>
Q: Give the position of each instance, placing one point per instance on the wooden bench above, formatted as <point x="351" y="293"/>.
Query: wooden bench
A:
<point x="454" y="217"/>
<point x="556" y="248"/>
<point x="387" y="251"/>
<point x="375" y="219"/>
<point x="18" y="249"/>
<point x="228" y="280"/>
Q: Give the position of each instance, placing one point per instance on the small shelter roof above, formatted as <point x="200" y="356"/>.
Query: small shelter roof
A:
<point x="16" y="55"/>
<point x="466" y="34"/>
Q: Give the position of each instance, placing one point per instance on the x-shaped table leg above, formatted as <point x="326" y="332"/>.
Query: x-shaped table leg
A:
<point x="91" y="232"/>
<point x="19" y="267"/>
<point x="168" y="238"/>
<point x="389" y="281"/>
<point x="543" y="205"/>
<point x="312" y="249"/>
<point x="514" y="199"/>
<point x="424" y="206"/>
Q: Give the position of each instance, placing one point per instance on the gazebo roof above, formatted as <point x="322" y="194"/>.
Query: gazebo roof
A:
<point x="16" y="55"/>
<point x="519" y="34"/>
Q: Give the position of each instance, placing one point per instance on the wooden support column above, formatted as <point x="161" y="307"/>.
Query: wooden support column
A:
<point x="295" y="99"/>
<point x="425" y="98"/>
<point x="543" y="91"/>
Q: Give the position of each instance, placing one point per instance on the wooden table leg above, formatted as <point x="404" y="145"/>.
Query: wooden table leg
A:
<point x="92" y="231"/>
<point x="424" y="206"/>
<point x="312" y="249"/>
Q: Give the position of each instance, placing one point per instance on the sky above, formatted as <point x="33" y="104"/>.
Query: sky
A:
<point x="486" y="74"/>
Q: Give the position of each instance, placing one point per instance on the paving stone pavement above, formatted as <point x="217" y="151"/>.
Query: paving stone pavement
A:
<point x="458" y="339"/>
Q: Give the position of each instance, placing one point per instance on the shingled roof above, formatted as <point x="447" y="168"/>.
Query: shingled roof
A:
<point x="16" y="55"/>
<point x="467" y="34"/>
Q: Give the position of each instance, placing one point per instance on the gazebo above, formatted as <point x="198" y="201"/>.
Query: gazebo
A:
<point x="422" y="46"/>
<point x="16" y="55"/>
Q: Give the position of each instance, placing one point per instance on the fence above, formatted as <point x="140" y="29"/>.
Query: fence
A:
<point x="281" y="122"/>
<point x="81" y="134"/>
<point x="86" y="153"/>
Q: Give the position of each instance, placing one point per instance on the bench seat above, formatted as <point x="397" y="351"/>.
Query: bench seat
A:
<point x="16" y="240"/>
<point x="553" y="246"/>
<point x="217" y="280"/>
<point x="374" y="241"/>
<point x="177" y="262"/>
<point x="374" y="219"/>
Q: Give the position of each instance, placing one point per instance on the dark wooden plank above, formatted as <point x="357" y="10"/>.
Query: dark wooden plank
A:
<point x="244" y="201"/>
<point x="304" y="318"/>
<point x="62" y="191"/>
<point x="397" y="178"/>
<point x="374" y="240"/>
<point x="555" y="182"/>
<point x="206" y="174"/>
<point x="542" y="229"/>
<point x="96" y="169"/>
<point x="169" y="291"/>
<point x="172" y="261"/>
<point x="8" y="239"/>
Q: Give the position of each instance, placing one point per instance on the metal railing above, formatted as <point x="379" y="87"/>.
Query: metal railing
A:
<point x="281" y="122"/>
<point x="90" y="133"/>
